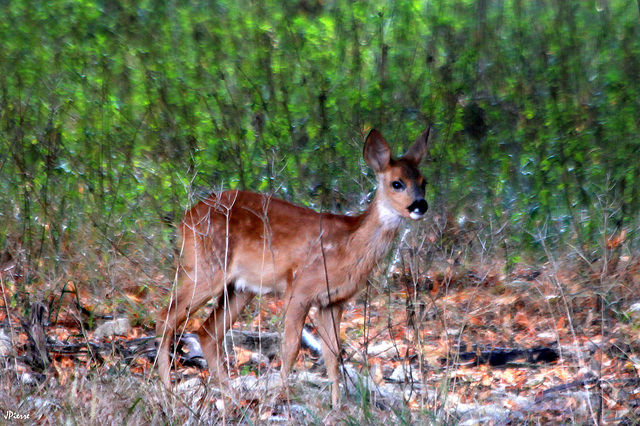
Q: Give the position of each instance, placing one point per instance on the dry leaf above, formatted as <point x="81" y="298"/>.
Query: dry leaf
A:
<point x="243" y="356"/>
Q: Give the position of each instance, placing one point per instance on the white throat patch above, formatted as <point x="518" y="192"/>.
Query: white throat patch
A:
<point x="389" y="217"/>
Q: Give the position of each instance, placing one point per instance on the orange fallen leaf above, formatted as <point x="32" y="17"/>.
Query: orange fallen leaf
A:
<point x="194" y="324"/>
<point x="487" y="380"/>
<point x="476" y="320"/>
<point x="562" y="323"/>
<point x="616" y="240"/>
<point x="243" y="356"/>
<point x="134" y="298"/>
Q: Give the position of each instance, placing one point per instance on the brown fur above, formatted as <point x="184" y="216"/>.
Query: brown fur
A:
<point x="236" y="244"/>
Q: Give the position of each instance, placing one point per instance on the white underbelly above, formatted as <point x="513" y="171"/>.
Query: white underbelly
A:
<point x="242" y="284"/>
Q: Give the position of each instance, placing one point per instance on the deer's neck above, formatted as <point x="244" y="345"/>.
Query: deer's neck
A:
<point x="371" y="241"/>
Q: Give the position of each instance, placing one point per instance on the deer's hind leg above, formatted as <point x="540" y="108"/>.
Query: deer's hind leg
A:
<point x="295" y="313"/>
<point x="329" y="330"/>
<point x="213" y="331"/>
<point x="195" y="289"/>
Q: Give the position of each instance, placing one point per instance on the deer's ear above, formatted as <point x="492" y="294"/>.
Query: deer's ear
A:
<point x="377" y="153"/>
<point x="419" y="149"/>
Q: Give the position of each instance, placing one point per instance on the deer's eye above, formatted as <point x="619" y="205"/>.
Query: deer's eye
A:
<point x="397" y="185"/>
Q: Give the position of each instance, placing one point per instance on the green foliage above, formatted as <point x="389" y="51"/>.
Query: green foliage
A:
<point x="112" y="112"/>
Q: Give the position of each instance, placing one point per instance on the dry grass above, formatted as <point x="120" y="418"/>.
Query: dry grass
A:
<point x="437" y="295"/>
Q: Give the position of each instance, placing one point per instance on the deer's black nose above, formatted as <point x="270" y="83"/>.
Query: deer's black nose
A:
<point x="418" y="208"/>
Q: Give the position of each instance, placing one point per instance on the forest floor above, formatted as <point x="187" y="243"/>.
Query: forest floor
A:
<point x="543" y="344"/>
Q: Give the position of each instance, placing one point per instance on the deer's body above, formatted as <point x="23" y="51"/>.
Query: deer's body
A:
<point x="267" y="258"/>
<point x="237" y="244"/>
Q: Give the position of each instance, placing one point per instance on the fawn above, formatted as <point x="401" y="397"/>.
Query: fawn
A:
<point x="238" y="244"/>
